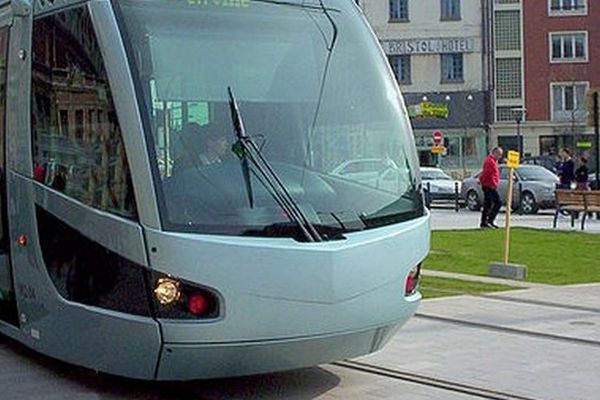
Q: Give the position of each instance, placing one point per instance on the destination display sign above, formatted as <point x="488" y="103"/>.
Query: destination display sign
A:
<point x="429" y="46"/>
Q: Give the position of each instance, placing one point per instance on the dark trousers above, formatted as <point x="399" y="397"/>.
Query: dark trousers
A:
<point x="491" y="205"/>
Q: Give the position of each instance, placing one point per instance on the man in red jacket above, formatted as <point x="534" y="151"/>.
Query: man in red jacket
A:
<point x="489" y="180"/>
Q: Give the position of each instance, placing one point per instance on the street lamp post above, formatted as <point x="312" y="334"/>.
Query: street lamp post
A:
<point x="520" y="137"/>
<point x="519" y="114"/>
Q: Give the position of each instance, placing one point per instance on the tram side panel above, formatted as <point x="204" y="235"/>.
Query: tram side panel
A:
<point x="83" y="334"/>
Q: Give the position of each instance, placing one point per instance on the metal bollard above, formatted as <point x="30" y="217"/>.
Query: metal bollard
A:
<point x="428" y="196"/>
<point x="456" y="204"/>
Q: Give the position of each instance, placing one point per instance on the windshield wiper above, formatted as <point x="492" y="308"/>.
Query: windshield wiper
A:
<point x="248" y="151"/>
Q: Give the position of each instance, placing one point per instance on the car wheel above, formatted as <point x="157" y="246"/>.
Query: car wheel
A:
<point x="528" y="203"/>
<point x="473" y="203"/>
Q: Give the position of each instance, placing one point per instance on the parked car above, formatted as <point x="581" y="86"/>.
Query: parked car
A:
<point x="536" y="183"/>
<point x="438" y="184"/>
<point x="592" y="181"/>
<point x="546" y="161"/>
<point x="378" y="173"/>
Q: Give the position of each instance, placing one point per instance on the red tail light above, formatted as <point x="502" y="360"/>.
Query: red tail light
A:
<point x="198" y="304"/>
<point x="412" y="281"/>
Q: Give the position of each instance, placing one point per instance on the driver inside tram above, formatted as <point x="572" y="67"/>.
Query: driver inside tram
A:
<point x="214" y="146"/>
<point x="200" y="145"/>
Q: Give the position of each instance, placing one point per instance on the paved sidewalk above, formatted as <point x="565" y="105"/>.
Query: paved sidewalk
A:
<point x="444" y="219"/>
<point x="482" y="279"/>
<point x="546" y="347"/>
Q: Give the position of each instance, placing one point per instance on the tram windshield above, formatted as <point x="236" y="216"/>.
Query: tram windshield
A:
<point x="314" y="95"/>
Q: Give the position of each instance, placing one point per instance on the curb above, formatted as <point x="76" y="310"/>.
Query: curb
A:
<point x="483" y="279"/>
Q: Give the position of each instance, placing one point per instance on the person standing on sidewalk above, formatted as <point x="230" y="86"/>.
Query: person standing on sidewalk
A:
<point x="489" y="180"/>
<point x="581" y="175"/>
<point x="567" y="170"/>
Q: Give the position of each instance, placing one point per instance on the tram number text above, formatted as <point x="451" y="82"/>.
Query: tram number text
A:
<point x="221" y="3"/>
<point x="27" y="292"/>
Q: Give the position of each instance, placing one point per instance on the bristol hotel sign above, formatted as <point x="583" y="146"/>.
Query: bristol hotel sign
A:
<point x="428" y="46"/>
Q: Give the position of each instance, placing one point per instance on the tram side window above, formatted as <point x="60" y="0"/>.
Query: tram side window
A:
<point x="77" y="144"/>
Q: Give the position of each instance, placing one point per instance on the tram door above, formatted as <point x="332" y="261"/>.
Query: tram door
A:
<point x="8" y="306"/>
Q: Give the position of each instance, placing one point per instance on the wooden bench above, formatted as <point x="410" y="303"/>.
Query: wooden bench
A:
<point x="575" y="202"/>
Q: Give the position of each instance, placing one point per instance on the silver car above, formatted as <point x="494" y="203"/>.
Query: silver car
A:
<point x="438" y="184"/>
<point x="533" y="189"/>
<point x="382" y="174"/>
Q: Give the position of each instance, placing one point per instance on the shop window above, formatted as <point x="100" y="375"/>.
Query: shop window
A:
<point x="77" y="143"/>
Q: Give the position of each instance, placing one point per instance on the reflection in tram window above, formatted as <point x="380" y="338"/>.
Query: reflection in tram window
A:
<point x="78" y="148"/>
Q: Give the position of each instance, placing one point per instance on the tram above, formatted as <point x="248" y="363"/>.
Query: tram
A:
<point x="203" y="188"/>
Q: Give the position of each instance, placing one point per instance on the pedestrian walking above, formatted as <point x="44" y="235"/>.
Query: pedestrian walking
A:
<point x="581" y="175"/>
<point x="489" y="180"/>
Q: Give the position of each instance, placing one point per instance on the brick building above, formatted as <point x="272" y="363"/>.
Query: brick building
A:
<point x="545" y="62"/>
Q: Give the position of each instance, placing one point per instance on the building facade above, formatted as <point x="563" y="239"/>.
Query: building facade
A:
<point x="544" y="67"/>
<point x="439" y="53"/>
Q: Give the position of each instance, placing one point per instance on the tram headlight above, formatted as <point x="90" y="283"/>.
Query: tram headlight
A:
<point x="175" y="298"/>
<point x="167" y="291"/>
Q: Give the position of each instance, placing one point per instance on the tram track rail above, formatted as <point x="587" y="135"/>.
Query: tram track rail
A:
<point x="429" y="381"/>
<point x="515" y="331"/>
<point x="571" y="307"/>
<point x="509" y="330"/>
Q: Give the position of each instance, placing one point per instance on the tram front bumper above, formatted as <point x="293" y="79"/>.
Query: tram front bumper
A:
<point x="287" y="305"/>
<point x="205" y="361"/>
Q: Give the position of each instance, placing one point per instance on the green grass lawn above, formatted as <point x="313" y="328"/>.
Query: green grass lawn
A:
<point x="551" y="257"/>
<point x="437" y="287"/>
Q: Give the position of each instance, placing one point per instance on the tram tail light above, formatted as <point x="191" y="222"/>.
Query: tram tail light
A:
<point x="198" y="304"/>
<point x="176" y="299"/>
<point x="412" y="281"/>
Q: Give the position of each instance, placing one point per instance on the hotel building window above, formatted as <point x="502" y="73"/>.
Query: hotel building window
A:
<point x="398" y="10"/>
<point x="401" y="67"/>
<point x="450" y="10"/>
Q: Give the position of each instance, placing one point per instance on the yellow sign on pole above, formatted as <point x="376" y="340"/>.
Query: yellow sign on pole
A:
<point x="513" y="159"/>
<point x="511" y="172"/>
<point x="438" y="149"/>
